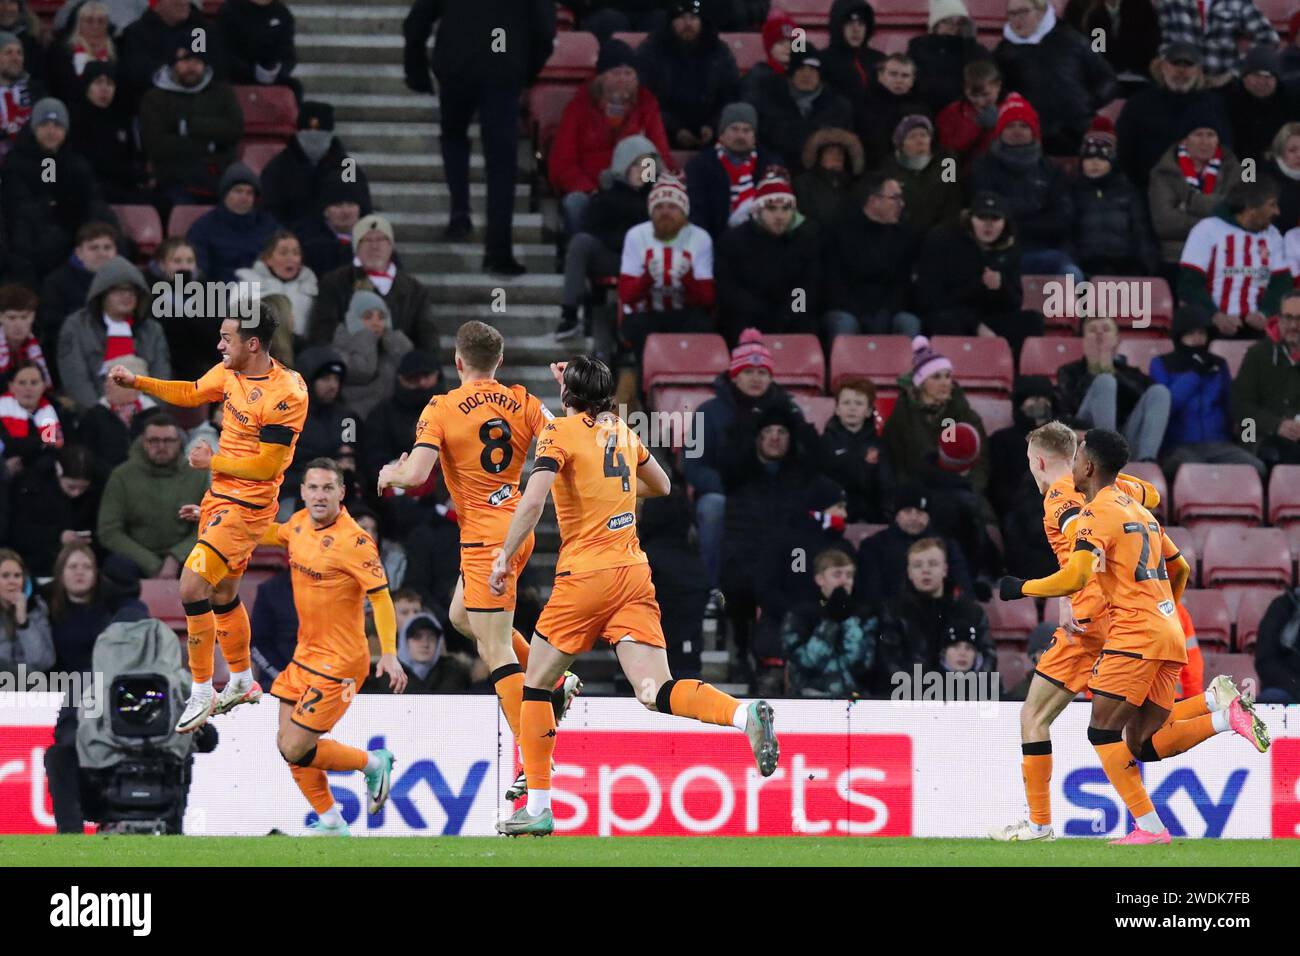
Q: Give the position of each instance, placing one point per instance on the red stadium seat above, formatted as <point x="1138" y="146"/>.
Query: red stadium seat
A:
<point x="1279" y="13"/>
<point x="806" y="13"/>
<point x="1140" y="352"/>
<point x="682" y="359"/>
<point x="680" y="405"/>
<point x="573" y="59"/>
<point x="142" y="226"/>
<point x="988" y="14"/>
<point x="182" y="217"/>
<point x="1241" y="557"/>
<point x="256" y="155"/>
<point x="1186" y="542"/>
<point x="1011" y="620"/>
<point x="980" y="363"/>
<point x="1251" y="609"/>
<point x="855" y="533"/>
<point x="994" y="412"/>
<point x="1013" y="665"/>
<point x="912" y="13"/>
<point x="1234" y="350"/>
<point x="1210" y="618"/>
<point x="268" y="558"/>
<point x="1034" y="289"/>
<point x="1218" y="494"/>
<point x="1149" y="471"/>
<point x="270" y="112"/>
<point x="799" y="362"/>
<point x="162" y="596"/>
<point x="747" y="48"/>
<point x="880" y="358"/>
<point x="893" y="41"/>
<point x="546" y="103"/>
<point x="1043" y="355"/>
<point x="817" y="409"/>
<point x="1157" y="295"/>
<point x="1240" y="667"/>
<point x="1284" y="495"/>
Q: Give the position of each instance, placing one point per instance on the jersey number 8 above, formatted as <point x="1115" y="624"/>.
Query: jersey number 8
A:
<point x="490" y="445"/>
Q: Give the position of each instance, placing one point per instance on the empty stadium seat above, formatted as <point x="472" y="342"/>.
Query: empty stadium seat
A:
<point x="573" y="59"/>
<point x="880" y="358"/>
<point x="979" y="363"/>
<point x="894" y="41"/>
<point x="182" y="217"/>
<point x="1013" y="665"/>
<point x="1034" y="291"/>
<point x="1158" y="297"/>
<point x="1011" y="620"/>
<point x="855" y="533"/>
<point x="680" y="405"/>
<point x="747" y="48"/>
<point x="1284" y="495"/>
<point x="270" y="112"/>
<point x="1210" y="617"/>
<point x="1140" y="352"/>
<point x="798" y="362"/>
<point x="685" y="359"/>
<point x="1234" y="350"/>
<point x="1252" y="607"/>
<point x="1240" y="667"/>
<point x="162" y="596"/>
<point x="1218" y="494"/>
<point x="806" y="13"/>
<point x="142" y="226"/>
<point x="988" y="14"/>
<point x="1187" y="547"/>
<point x="256" y="155"/>
<point x="1149" y="471"/>
<point x="546" y="103"/>
<point x="817" y="409"/>
<point x="1043" y="355"/>
<point x="994" y="412"/>
<point x="1245" y="557"/>
<point x="913" y="13"/>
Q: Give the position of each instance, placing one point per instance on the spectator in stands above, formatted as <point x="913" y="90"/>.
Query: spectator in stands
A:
<point x="230" y="236"/>
<point x="326" y="234"/>
<point x="681" y="582"/>
<point x="942" y="55"/>
<point x="89" y="41"/>
<point x="890" y="100"/>
<point x="108" y="430"/>
<point x="727" y="422"/>
<point x="43" y="213"/>
<point x="967" y="126"/>
<point x="1266" y="391"/>
<point x="1191" y="180"/>
<point x="829" y="643"/>
<point x="665" y="281"/>
<point x="868" y="267"/>
<point x="610" y="108"/>
<point x="891" y="570"/>
<point x="25" y="637"/>
<point x="1112" y="230"/>
<point x="18" y="346"/>
<point x="297" y="177"/>
<point x="325" y="372"/>
<point x="793" y="106"/>
<point x="18" y="91"/>
<point x="831" y="187"/>
<point x="968" y="277"/>
<point x="191" y="339"/>
<point x="1156" y="118"/>
<point x="1257" y="104"/>
<point x="1040" y="639"/>
<point x="103" y="132"/>
<point x="850" y="62"/>
<point x="372" y="351"/>
<point x="436" y="661"/>
<point x="150" y="44"/>
<point x="1215" y="34"/>
<point x="596" y="250"/>
<point x="1130" y="27"/>
<point x="854" y="454"/>
<point x="692" y="72"/>
<point x="721" y="180"/>
<point x="1053" y="67"/>
<point x="17" y="18"/>
<point x="1103" y="386"/>
<point x="931" y="197"/>
<point x="78" y="612"/>
<point x="1282" y="165"/>
<point x="928" y="402"/>
<point x="778" y="35"/>
<point x="190" y="125"/>
<point x="1199" y="386"/>
<point x="279" y="270"/>
<point x="392" y="423"/>
<point x="64" y="290"/>
<point x="53" y="503"/>
<point x="603" y="17"/>
<point x="409" y="300"/>
<point x="1277" y="652"/>
<point x="113" y="323"/>
<point x="273" y="626"/>
<point x="1033" y="403"/>
<point x="928" y="615"/>
<point x="139" y="516"/>
<point x="29" y="423"/>
<point x="1035" y="190"/>
<point x="257" y="38"/>
<point x="769" y="267"/>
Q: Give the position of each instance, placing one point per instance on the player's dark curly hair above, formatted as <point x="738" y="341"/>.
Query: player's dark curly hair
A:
<point x="1108" y="450"/>
<point x="262" y="326"/>
<point x="588" y="385"/>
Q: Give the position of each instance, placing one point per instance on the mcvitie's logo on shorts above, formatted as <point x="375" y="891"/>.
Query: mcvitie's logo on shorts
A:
<point x="620" y="521"/>
<point x="76" y="909"/>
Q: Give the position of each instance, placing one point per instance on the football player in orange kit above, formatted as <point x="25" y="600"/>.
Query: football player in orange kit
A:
<point x="482" y="431"/>
<point x="265" y="407"/>
<point x="1117" y="541"/>
<point x="596" y="468"/>
<point x="1063" y="671"/>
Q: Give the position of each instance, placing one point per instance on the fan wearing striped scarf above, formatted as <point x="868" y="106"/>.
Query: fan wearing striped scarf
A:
<point x="17" y="344"/>
<point x="27" y="419"/>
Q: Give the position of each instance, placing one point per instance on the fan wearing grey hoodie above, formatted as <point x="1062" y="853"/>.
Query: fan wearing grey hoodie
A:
<point x="372" y="350"/>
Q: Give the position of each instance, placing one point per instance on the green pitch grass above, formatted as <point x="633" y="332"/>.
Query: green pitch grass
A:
<point x="624" y="851"/>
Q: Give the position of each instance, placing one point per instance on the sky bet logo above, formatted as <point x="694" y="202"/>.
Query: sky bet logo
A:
<point x="1088" y="789"/>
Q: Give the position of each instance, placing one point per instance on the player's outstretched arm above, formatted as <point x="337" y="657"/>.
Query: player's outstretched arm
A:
<point x="409" y="471"/>
<point x="651" y="479"/>
<point x="522" y="524"/>
<point x="182" y="394"/>
<point x="1076" y="573"/>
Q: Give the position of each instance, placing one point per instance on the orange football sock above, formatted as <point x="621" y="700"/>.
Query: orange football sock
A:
<point x="703" y="702"/>
<point x="537" y="737"/>
<point x="1122" y="771"/>
<point x="201" y="626"/>
<point x="1036" y="768"/>
<point x="234" y="632"/>
<point x="1179" y="736"/>
<point x="521" y="649"/>
<point x="1193" y="706"/>
<point x="314" y="786"/>
<point x="509" y="683"/>
<point x="332" y="755"/>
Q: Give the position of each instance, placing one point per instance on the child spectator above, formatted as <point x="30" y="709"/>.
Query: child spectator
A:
<point x="1112" y="231"/>
<point x="64" y="290"/>
<point x="854" y="454"/>
<point x="967" y="126"/>
<point x="18" y="346"/>
<point x="830" y="644"/>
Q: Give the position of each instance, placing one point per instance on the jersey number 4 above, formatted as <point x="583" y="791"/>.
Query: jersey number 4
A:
<point x="615" y="463"/>
<point x="1144" y="572"/>
<point x="492" y="445"/>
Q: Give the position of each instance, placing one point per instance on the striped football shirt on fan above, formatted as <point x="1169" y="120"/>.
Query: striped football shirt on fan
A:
<point x="1237" y="264"/>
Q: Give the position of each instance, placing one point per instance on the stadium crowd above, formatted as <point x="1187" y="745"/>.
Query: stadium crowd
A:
<point x="832" y="190"/>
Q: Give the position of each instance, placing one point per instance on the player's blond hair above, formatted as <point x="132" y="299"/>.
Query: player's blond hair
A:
<point x="1055" y="438"/>
<point x="479" y="345"/>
